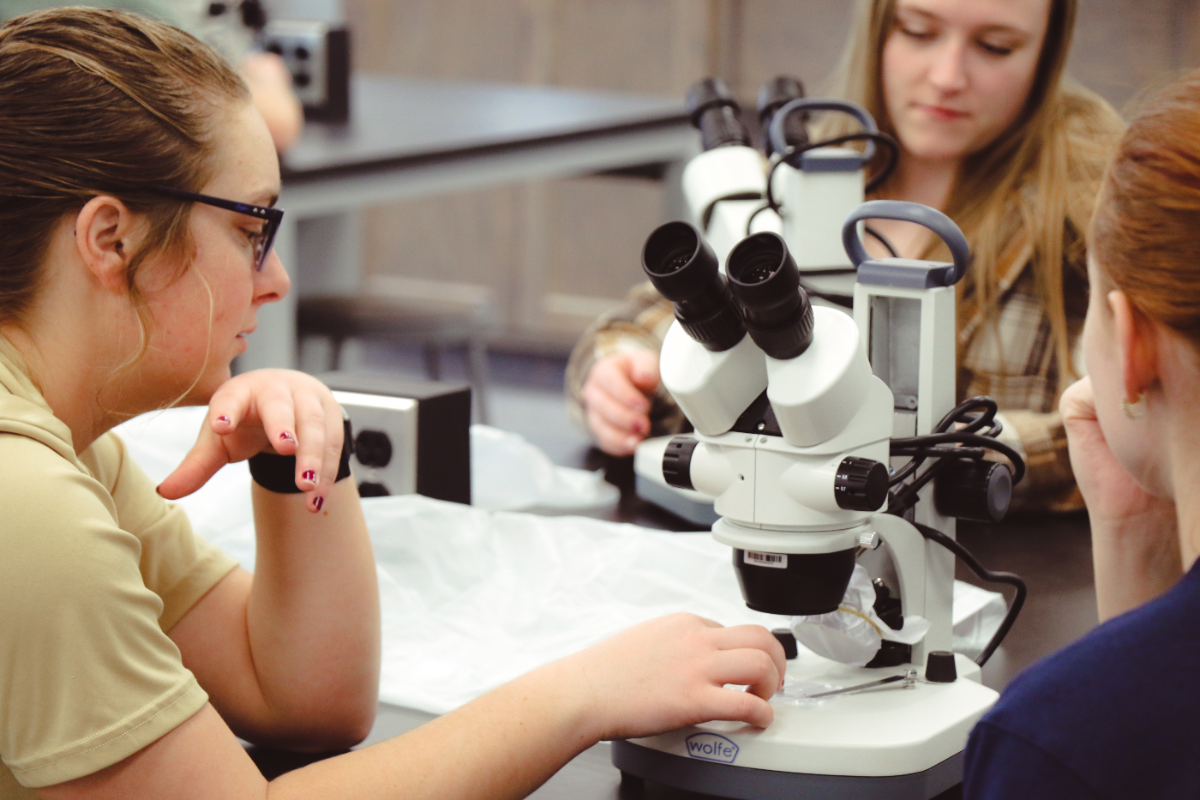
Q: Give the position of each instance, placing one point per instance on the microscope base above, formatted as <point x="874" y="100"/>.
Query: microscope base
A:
<point x="747" y="783"/>
<point x="888" y="741"/>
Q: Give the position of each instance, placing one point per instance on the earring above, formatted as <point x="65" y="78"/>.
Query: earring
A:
<point x="1136" y="409"/>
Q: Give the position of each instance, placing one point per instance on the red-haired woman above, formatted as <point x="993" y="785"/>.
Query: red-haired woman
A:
<point x="1117" y="714"/>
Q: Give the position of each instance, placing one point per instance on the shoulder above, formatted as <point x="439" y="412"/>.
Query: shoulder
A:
<point x="1116" y="710"/>
<point x="40" y="485"/>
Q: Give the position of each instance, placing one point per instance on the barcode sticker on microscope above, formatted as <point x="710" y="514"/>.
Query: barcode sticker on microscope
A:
<point x="773" y="560"/>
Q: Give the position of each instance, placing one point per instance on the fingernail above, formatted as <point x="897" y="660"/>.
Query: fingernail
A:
<point x="158" y="490"/>
<point x="317" y="503"/>
<point x="287" y="437"/>
<point x="631" y="442"/>
<point x="310" y="476"/>
<point x="224" y="419"/>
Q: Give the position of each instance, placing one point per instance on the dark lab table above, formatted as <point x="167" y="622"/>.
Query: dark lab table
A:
<point x="1052" y="554"/>
<point x="420" y="137"/>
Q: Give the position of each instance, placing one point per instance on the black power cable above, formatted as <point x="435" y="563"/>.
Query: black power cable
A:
<point x="1014" y="608"/>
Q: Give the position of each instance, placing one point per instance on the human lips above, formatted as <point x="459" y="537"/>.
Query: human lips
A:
<point x="941" y="112"/>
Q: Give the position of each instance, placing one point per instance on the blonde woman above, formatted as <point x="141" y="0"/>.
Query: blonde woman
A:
<point x="992" y="133"/>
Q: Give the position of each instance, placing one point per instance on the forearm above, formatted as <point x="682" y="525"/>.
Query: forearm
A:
<point x="313" y="612"/>
<point x="1135" y="560"/>
<point x="503" y="745"/>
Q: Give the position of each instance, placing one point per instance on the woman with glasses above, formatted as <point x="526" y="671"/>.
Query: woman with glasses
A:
<point x="137" y="185"/>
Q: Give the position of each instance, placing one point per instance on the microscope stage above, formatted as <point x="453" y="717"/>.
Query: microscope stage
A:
<point x="886" y="731"/>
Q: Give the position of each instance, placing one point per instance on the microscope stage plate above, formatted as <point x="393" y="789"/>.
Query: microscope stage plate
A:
<point x="885" y="731"/>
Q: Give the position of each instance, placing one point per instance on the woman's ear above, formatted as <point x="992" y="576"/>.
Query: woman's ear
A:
<point x="1138" y="343"/>
<point x="106" y="236"/>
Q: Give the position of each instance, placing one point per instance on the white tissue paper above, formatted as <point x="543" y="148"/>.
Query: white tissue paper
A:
<point x="507" y="472"/>
<point x="852" y="634"/>
<point x="510" y="474"/>
<point x="471" y="598"/>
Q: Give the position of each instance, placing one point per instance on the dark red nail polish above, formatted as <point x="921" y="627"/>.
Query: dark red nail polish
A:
<point x="224" y="419"/>
<point x="287" y="437"/>
<point x="310" y="476"/>
<point x="317" y="503"/>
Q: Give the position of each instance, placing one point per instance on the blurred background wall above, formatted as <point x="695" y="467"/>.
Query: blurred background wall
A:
<point x="553" y="255"/>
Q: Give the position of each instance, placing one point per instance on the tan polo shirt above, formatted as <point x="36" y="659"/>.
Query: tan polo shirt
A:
<point x="95" y="568"/>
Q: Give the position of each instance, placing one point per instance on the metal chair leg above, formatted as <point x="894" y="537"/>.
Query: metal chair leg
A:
<point x="432" y="353"/>
<point x="477" y="373"/>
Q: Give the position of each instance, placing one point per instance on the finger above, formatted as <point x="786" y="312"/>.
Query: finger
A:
<point x="749" y="667"/>
<point x="229" y="406"/>
<point x="614" y="378"/>
<point x="612" y="440"/>
<point x="202" y="462"/>
<point x="617" y="414"/>
<point x="756" y="637"/>
<point x="1078" y="401"/>
<point x="308" y="413"/>
<point x="335" y="433"/>
<point x="644" y="370"/>
<point x="276" y="409"/>
<point x="737" y="706"/>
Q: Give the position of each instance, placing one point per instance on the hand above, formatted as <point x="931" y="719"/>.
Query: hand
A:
<point x="266" y="411"/>
<point x="1135" y="539"/>
<point x="616" y="399"/>
<point x="670" y="672"/>
<point x="1109" y="490"/>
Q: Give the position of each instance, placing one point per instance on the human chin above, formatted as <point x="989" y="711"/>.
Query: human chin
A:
<point x="934" y="143"/>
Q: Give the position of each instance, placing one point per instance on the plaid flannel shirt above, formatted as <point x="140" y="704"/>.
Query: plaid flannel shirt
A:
<point x="1008" y="355"/>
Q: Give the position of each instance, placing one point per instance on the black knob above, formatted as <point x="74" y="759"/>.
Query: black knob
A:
<point x="788" y="640"/>
<point x="860" y="484"/>
<point x="939" y="667"/>
<point x="975" y="490"/>
<point x="677" y="462"/>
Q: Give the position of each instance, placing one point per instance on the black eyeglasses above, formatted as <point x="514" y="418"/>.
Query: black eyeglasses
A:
<point x="262" y="241"/>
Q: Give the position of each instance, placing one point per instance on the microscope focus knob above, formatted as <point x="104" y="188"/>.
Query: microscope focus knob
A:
<point x="860" y="484"/>
<point x="677" y="462"/>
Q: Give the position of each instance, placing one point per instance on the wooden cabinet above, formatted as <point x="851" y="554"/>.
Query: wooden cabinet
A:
<point x="552" y="255"/>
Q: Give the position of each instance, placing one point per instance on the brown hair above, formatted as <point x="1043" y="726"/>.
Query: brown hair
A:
<point x="1028" y="194"/>
<point x="100" y="102"/>
<point x="1146" y="230"/>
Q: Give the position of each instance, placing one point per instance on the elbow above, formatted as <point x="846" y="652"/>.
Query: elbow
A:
<point x="334" y="731"/>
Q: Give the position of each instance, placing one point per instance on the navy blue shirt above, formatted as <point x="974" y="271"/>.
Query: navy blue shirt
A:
<point x="1115" y="715"/>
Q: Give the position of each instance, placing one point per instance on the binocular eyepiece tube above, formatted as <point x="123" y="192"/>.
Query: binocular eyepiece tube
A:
<point x="683" y="268"/>
<point x="766" y="283"/>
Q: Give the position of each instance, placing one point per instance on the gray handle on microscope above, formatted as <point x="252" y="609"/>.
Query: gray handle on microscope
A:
<point x="779" y="143"/>
<point x="906" y="272"/>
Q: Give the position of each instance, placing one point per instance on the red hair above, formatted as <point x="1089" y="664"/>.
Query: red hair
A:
<point x="1146" y="228"/>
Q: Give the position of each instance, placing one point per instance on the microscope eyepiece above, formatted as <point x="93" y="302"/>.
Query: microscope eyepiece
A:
<point x="684" y="270"/>
<point x="766" y="283"/>
<point x="713" y="110"/>
<point x="774" y="95"/>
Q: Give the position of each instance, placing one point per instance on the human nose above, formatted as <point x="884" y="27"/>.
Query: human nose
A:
<point x="949" y="70"/>
<point x="272" y="283"/>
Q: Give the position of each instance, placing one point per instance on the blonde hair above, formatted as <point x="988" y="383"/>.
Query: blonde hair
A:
<point x="1029" y="193"/>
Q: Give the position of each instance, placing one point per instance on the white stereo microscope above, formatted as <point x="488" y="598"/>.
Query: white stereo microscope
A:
<point x="811" y="430"/>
